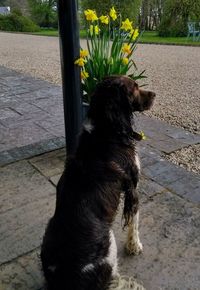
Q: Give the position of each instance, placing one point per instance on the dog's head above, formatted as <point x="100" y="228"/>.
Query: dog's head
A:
<point x="139" y="99"/>
<point x="114" y="101"/>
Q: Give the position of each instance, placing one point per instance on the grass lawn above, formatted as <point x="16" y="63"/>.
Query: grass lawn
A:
<point x="152" y="37"/>
<point x="52" y="32"/>
<point x="147" y="37"/>
<point x="47" y="32"/>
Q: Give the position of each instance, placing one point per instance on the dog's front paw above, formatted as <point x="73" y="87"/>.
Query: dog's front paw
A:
<point x="134" y="248"/>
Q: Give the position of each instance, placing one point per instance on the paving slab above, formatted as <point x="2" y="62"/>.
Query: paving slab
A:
<point x="8" y="113"/>
<point x="169" y="230"/>
<point x="50" y="164"/>
<point x="31" y="150"/>
<point x="26" y="135"/>
<point x="166" y="145"/>
<point x="23" y="273"/>
<point x="176" y="179"/>
<point x="27" y="200"/>
<point x="187" y="187"/>
<point x="24" y="228"/>
<point x="163" y="136"/>
<point x="4" y="71"/>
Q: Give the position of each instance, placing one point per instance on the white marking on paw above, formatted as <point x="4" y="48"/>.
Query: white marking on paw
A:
<point x="133" y="245"/>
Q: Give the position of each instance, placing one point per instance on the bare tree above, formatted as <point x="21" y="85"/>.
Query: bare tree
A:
<point x="151" y="13"/>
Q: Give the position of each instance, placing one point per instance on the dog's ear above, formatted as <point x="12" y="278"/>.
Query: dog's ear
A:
<point x="110" y="105"/>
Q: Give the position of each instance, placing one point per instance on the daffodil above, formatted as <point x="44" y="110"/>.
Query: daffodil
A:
<point x="134" y="34"/>
<point x="113" y="13"/>
<point x="127" y="25"/>
<point x="94" y="29"/>
<point x="84" y="75"/>
<point x="126" y="48"/>
<point x="83" y="53"/>
<point x="111" y="41"/>
<point x="90" y="15"/>
<point x="80" y="61"/>
<point x="104" y="19"/>
<point x="125" y="60"/>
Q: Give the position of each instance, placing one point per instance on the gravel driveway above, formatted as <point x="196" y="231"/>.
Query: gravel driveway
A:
<point x="173" y="73"/>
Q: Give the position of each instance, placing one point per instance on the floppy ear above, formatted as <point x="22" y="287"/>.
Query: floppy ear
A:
<point x="110" y="107"/>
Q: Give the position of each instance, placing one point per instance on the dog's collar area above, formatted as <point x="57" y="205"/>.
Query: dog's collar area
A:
<point x="88" y="127"/>
<point x="138" y="136"/>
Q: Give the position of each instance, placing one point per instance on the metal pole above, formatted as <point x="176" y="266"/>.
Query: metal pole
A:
<point x="69" y="51"/>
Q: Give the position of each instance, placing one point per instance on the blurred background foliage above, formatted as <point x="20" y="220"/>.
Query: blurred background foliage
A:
<point x="168" y="17"/>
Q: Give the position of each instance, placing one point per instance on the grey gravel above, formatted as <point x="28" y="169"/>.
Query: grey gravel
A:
<point x="173" y="73"/>
<point x="188" y="158"/>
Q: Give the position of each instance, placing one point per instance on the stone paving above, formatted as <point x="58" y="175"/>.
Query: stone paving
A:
<point x="31" y="120"/>
<point x="31" y="123"/>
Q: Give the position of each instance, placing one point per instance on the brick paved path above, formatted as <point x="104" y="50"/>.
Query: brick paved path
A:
<point x="31" y="120"/>
<point x="31" y="116"/>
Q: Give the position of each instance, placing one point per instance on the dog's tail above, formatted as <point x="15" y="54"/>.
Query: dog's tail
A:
<point x="125" y="283"/>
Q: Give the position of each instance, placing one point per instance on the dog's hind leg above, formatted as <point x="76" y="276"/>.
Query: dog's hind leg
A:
<point x="133" y="245"/>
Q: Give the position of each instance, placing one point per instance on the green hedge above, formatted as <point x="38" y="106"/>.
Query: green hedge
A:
<point x="171" y="28"/>
<point x="16" y="22"/>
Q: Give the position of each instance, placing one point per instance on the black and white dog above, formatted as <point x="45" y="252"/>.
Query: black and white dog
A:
<point x="79" y="250"/>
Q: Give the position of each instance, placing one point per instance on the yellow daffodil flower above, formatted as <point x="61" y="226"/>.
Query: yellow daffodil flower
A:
<point x="125" y="60"/>
<point x="134" y="33"/>
<point x="113" y="13"/>
<point x="104" y="19"/>
<point x="127" y="25"/>
<point x="126" y="48"/>
<point x="90" y="15"/>
<point x="80" y="61"/>
<point x="84" y="75"/>
<point x="94" y="29"/>
<point x="83" y="53"/>
<point x="142" y="135"/>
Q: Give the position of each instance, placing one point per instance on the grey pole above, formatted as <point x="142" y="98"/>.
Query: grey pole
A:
<point x="69" y="51"/>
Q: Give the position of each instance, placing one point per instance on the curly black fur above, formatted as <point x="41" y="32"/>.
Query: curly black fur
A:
<point x="88" y="192"/>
